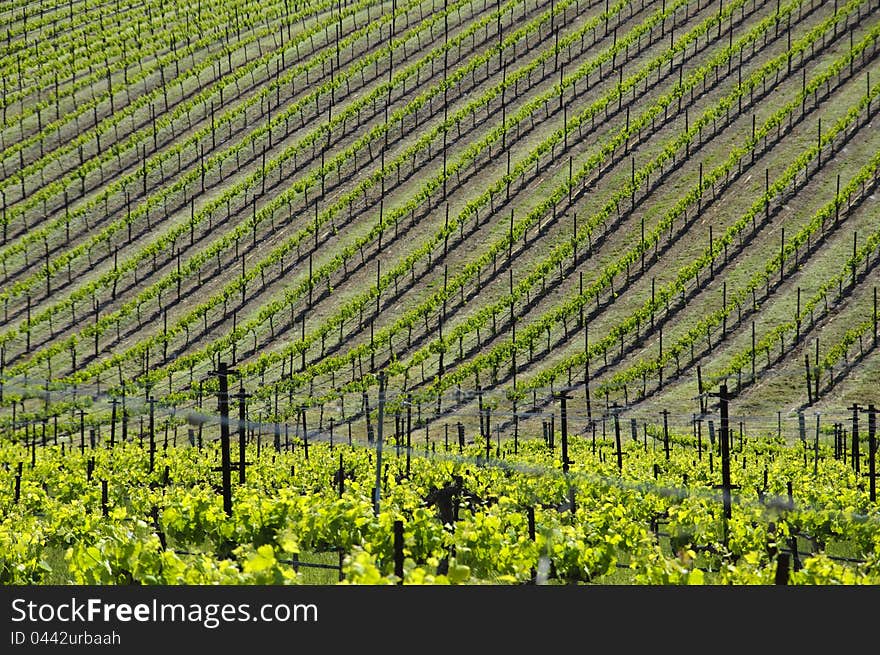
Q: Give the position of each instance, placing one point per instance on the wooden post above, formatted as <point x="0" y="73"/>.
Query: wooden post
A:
<point x="793" y="546"/>
<point x="530" y="516"/>
<point x="724" y="399"/>
<point x="872" y="451"/>
<point x="855" y="437"/>
<point x="398" y="550"/>
<point x="124" y="418"/>
<point x="225" y="462"/>
<point x="480" y="409"/>
<point x="515" y="429"/>
<point x="782" y="564"/>
<point x="616" y="412"/>
<point x="305" y="432"/>
<point x="408" y="432"/>
<point x="699" y="423"/>
<point x="564" y="417"/>
<point x="587" y="369"/>
<point x="488" y="434"/>
<point x="341" y="476"/>
<point x="377" y="491"/>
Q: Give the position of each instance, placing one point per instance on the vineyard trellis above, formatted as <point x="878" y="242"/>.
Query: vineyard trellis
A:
<point x="456" y="273"/>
